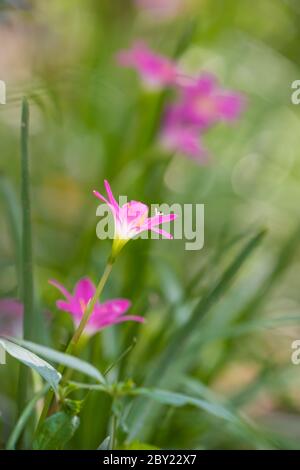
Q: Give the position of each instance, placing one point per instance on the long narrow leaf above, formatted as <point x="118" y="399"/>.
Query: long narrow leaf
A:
<point x="65" y="359"/>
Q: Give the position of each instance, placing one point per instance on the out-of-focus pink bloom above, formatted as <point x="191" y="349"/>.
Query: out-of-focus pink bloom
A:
<point x="155" y="70"/>
<point x="184" y="140"/>
<point x="204" y="103"/>
<point x="160" y="9"/>
<point x="11" y="317"/>
<point x="104" y="314"/>
<point x="131" y="219"/>
<point x="177" y="135"/>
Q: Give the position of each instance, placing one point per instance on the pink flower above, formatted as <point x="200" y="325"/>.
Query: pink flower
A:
<point x="160" y="9"/>
<point x="204" y="103"/>
<point x="155" y="70"/>
<point x="104" y="314"/>
<point x="11" y="317"/>
<point x="132" y="219"/>
<point x="179" y="136"/>
<point x="201" y="105"/>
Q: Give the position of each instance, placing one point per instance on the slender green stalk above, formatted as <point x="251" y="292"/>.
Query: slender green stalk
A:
<point x="26" y="253"/>
<point x="18" y="429"/>
<point x="75" y="338"/>
<point x="113" y="431"/>
<point x="89" y="309"/>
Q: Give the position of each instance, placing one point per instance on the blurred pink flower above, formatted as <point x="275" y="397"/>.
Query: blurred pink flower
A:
<point x="155" y="70"/>
<point x="179" y="136"/>
<point x="131" y="219"/>
<point x="160" y="9"/>
<point x="204" y="103"/>
<point x="104" y="314"/>
<point x="11" y="317"/>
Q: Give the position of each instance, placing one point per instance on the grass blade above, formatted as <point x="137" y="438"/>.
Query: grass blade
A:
<point x="182" y="336"/>
<point x="26" y="252"/>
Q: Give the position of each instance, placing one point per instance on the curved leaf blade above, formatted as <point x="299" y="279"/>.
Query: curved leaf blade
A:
<point x="46" y="370"/>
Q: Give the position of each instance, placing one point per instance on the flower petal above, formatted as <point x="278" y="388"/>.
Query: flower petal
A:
<point x="159" y="219"/>
<point x="111" y="197"/>
<point x="61" y="288"/>
<point x="84" y="290"/>
<point x="11" y="317"/>
<point x="162" y="232"/>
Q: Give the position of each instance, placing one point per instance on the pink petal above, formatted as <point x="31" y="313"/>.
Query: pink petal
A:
<point x="162" y="232"/>
<point x="11" y="317"/>
<point x="130" y="318"/>
<point x="155" y="70"/>
<point x="133" y="213"/>
<point x="65" y="306"/>
<point x="61" y="288"/>
<point x="111" y="196"/>
<point x="12" y="307"/>
<point x="99" y="196"/>
<point x="230" y="106"/>
<point x="84" y="290"/>
<point x="159" y="219"/>
<point x="109" y="310"/>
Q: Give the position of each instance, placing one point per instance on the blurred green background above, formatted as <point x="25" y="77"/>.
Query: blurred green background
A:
<point x="90" y="121"/>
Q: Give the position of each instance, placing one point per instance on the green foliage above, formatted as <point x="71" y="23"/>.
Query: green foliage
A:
<point x="56" y="431"/>
<point x="65" y="359"/>
<point x="31" y="360"/>
<point x="211" y="366"/>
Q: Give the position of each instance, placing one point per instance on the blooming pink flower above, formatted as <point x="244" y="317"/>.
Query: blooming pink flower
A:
<point x="131" y="219"/>
<point x="155" y="70"/>
<point x="104" y="314"/>
<point x="204" y="103"/>
<point x="11" y="317"/>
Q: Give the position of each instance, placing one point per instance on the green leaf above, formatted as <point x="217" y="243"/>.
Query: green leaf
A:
<point x="22" y="421"/>
<point x="33" y="361"/>
<point x="56" y="431"/>
<point x="105" y="445"/>
<point x="240" y="424"/>
<point x="166" y="397"/>
<point x="136" y="445"/>
<point x="65" y="359"/>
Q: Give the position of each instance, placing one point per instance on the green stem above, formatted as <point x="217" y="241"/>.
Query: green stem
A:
<point x="75" y="338"/>
<point x="89" y="309"/>
<point x="17" y="430"/>
<point x="27" y="265"/>
<point x="113" y="427"/>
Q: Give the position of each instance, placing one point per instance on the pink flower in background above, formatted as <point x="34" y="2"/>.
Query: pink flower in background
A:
<point x="11" y="317"/>
<point x="179" y="136"/>
<point x="155" y="70"/>
<point x="104" y="314"/>
<point x="131" y="219"/>
<point x="160" y="9"/>
<point x="204" y="103"/>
